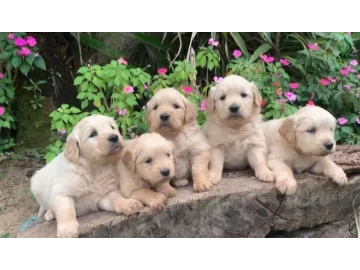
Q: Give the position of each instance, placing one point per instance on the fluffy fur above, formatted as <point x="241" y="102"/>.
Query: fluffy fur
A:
<point x="145" y="170"/>
<point x="83" y="178"/>
<point x="233" y="129"/>
<point x="302" y="142"/>
<point x="173" y="116"/>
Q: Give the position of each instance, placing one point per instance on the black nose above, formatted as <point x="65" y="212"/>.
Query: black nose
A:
<point x="328" y="146"/>
<point x="113" y="138"/>
<point x="165" y="172"/>
<point x="164" y="117"/>
<point x="234" y="108"/>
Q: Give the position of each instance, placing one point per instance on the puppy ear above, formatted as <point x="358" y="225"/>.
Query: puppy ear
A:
<point x="72" y="147"/>
<point x="190" y="111"/>
<point x="257" y="95"/>
<point x="210" y="102"/>
<point x="147" y="115"/>
<point x="287" y="130"/>
<point x="129" y="161"/>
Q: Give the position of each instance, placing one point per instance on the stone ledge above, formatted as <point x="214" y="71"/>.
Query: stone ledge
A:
<point x="239" y="206"/>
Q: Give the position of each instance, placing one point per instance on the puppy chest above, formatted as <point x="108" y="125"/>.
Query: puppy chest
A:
<point x="302" y="164"/>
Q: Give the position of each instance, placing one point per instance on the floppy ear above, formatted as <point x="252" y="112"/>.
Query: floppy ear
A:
<point x="210" y="102"/>
<point x="190" y="110"/>
<point x="287" y="130"/>
<point x="72" y="147"/>
<point x="257" y="95"/>
<point x="129" y="161"/>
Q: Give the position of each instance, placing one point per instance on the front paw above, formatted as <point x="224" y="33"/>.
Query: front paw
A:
<point x="158" y="202"/>
<point x="203" y="184"/>
<point x="168" y="191"/>
<point x="129" y="207"/>
<point x="68" y="229"/>
<point x="265" y="175"/>
<point x="215" y="177"/>
<point x="286" y="185"/>
<point x="49" y="215"/>
<point x="340" y="177"/>
<point x="180" y="182"/>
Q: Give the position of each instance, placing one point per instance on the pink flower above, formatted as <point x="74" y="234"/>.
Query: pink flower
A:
<point x="237" y="53"/>
<point x="358" y="76"/>
<point x="313" y="47"/>
<point x="146" y="86"/>
<point x="162" y="71"/>
<point x="263" y="103"/>
<point x="1" y="75"/>
<point x="279" y="92"/>
<point x="349" y="33"/>
<point x="267" y="59"/>
<point x="31" y="41"/>
<point x="331" y="79"/>
<point x="324" y="82"/>
<point x="63" y="131"/>
<point x="218" y="79"/>
<point x="122" y="61"/>
<point x="342" y="121"/>
<point x="20" y="42"/>
<point x="187" y="89"/>
<point x="203" y="105"/>
<point x="344" y="71"/>
<point x="294" y="85"/>
<point x="290" y="96"/>
<point x="347" y="87"/>
<point x="2" y="110"/>
<point x="281" y="101"/>
<point x="284" y="62"/>
<point x="11" y="36"/>
<point x="354" y="63"/>
<point x="122" y="112"/>
<point x="310" y="103"/>
<point x="128" y="89"/>
<point x="276" y="84"/>
<point x="213" y="42"/>
<point x="358" y="120"/>
<point x="25" y="51"/>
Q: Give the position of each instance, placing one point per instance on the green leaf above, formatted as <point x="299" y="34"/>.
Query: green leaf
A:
<point x="101" y="108"/>
<point x="100" y="73"/>
<point x="6" y="54"/>
<point x="240" y="42"/>
<point x="78" y="80"/>
<point x="83" y="70"/>
<point x="117" y="81"/>
<point x="2" y="44"/>
<point x="151" y="41"/>
<point x="3" y="35"/>
<point x="59" y="125"/>
<point x="24" y="68"/>
<point x="65" y="117"/>
<point x="347" y="130"/>
<point x="81" y="95"/>
<point x="259" y="51"/>
<point x="30" y="58"/>
<point x="98" y="82"/>
<point x="40" y="63"/>
<point x="88" y="76"/>
<point x="84" y="104"/>
<point x="74" y="110"/>
<point x="16" y="61"/>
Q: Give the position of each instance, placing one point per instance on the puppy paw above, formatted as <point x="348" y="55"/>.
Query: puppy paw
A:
<point x="201" y="186"/>
<point x="286" y="186"/>
<point x="340" y="177"/>
<point x="168" y="191"/>
<point x="49" y="215"/>
<point x="180" y="182"/>
<point x="158" y="202"/>
<point x="264" y="175"/>
<point x="129" y="207"/>
<point x="69" y="229"/>
<point x="215" y="178"/>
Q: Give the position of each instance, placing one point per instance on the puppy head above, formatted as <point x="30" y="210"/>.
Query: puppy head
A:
<point x="95" y="138"/>
<point x="151" y="158"/>
<point x="234" y="99"/>
<point x="168" y="111"/>
<point x="310" y="131"/>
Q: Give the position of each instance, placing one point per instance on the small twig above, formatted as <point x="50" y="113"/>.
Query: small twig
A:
<point x="178" y="53"/>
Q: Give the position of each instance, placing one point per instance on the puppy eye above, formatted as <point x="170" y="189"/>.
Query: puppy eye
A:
<point x="176" y="106"/>
<point x="93" y="134"/>
<point x="223" y="97"/>
<point x="148" y="161"/>
<point x="313" y="130"/>
<point x="168" y="154"/>
<point x="112" y="127"/>
<point x="243" y="95"/>
<point x="156" y="106"/>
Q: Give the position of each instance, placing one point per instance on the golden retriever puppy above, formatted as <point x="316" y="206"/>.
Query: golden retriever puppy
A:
<point x="233" y="129"/>
<point x="302" y="142"/>
<point x="173" y="116"/>
<point x="84" y="177"/>
<point x="146" y="168"/>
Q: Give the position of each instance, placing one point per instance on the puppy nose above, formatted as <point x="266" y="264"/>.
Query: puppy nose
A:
<point x="164" y="117"/>
<point x="113" y="138"/>
<point x="328" y="145"/>
<point x="234" y="108"/>
<point x="165" y="172"/>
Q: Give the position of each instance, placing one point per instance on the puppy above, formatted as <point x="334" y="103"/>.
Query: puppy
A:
<point x="84" y="177"/>
<point x="302" y="142"/>
<point x="233" y="129"/>
<point x="173" y="116"/>
<point x="146" y="169"/>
